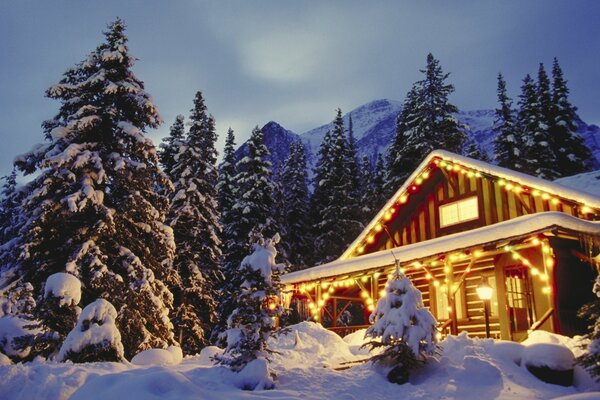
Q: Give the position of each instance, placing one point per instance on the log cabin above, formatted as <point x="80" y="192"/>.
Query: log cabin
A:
<point x="454" y="226"/>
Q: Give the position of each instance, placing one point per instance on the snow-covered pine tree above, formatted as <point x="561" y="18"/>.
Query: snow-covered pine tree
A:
<point x="508" y="141"/>
<point x="425" y="123"/>
<point x="379" y="175"/>
<point x="96" y="208"/>
<point x="227" y="191"/>
<point x="11" y="220"/>
<point x="472" y="150"/>
<point x="296" y="206"/>
<point x="572" y="155"/>
<point x="590" y="359"/>
<point x="250" y="215"/>
<point x="544" y="96"/>
<point x="171" y="146"/>
<point x="253" y="209"/>
<point x="537" y="155"/>
<point x="226" y="196"/>
<point x="194" y="218"/>
<point x="251" y="323"/>
<point x="404" y="327"/>
<point x="337" y="216"/>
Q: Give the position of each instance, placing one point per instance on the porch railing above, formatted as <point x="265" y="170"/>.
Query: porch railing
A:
<point x="537" y="324"/>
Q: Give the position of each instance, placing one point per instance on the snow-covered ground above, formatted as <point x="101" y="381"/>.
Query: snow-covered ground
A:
<point x="309" y="365"/>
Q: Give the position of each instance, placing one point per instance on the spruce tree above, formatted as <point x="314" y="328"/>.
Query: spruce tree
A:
<point x="251" y="215"/>
<point x="295" y="207"/>
<point x="404" y="327"/>
<point x="194" y="218"/>
<point x="171" y="146"/>
<point x="508" y="141"/>
<point x="379" y="176"/>
<point x="96" y="208"/>
<point x="572" y="155"/>
<point x="337" y="216"/>
<point x="538" y="157"/>
<point x="426" y="123"/>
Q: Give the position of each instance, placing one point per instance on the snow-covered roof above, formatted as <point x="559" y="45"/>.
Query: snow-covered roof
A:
<point x="506" y="230"/>
<point x="485" y="168"/>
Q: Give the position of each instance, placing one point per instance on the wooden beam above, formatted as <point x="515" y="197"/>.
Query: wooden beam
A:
<point x="450" y="181"/>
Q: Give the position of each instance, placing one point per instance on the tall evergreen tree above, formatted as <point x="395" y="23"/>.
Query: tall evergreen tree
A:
<point x="508" y="142"/>
<point x="195" y="221"/>
<point x="296" y="206"/>
<point x="538" y="157"/>
<point x="337" y="215"/>
<point x="251" y="215"/>
<point x="96" y="208"/>
<point x="544" y="97"/>
<point x="171" y="145"/>
<point x="572" y="155"/>
<point x="426" y="123"/>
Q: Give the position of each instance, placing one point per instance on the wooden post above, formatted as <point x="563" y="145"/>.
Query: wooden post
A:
<point x="449" y="272"/>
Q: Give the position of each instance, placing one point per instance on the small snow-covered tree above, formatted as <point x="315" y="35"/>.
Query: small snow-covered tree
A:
<point x="404" y="327"/>
<point x="171" y="145"/>
<point x="95" y="337"/>
<point x="55" y="316"/>
<point x="252" y="322"/>
<point x="590" y="359"/>
<point x="472" y="150"/>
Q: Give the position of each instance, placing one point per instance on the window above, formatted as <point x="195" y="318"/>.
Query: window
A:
<point x="459" y="211"/>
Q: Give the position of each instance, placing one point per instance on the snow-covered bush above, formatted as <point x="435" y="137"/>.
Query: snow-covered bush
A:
<point x="590" y="360"/>
<point x="54" y="317"/>
<point x="253" y="321"/>
<point x="404" y="327"/>
<point x="95" y="337"/>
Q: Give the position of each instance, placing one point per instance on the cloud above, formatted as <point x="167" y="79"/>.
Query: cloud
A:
<point x="284" y="57"/>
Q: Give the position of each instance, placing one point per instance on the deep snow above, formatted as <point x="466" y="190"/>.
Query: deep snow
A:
<point x="309" y="365"/>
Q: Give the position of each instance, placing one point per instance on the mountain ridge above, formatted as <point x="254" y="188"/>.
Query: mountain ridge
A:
<point x="374" y="126"/>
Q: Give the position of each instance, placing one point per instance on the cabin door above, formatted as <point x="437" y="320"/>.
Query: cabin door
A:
<point x="519" y="302"/>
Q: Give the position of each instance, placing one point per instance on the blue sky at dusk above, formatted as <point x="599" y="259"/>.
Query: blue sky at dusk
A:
<point x="292" y="62"/>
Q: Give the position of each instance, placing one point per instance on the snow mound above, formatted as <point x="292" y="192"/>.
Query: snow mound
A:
<point x="172" y="355"/>
<point x="153" y="383"/>
<point x="553" y="356"/>
<point x="12" y="327"/>
<point x="307" y="344"/>
<point x="64" y="286"/>
<point x="580" y="396"/>
<point x="254" y="376"/>
<point x="207" y="354"/>
<point x="4" y="360"/>
<point x="95" y="326"/>
<point x="504" y="349"/>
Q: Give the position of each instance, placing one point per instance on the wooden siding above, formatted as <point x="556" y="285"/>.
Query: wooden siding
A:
<point x="418" y="219"/>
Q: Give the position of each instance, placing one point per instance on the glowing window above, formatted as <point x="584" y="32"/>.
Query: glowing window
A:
<point x="459" y="211"/>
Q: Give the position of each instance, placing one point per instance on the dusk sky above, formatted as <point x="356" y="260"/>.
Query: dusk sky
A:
<point x="292" y="62"/>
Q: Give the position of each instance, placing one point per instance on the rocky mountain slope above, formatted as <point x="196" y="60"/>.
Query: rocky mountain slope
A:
<point x="374" y="127"/>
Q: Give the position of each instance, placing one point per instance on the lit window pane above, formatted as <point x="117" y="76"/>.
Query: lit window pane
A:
<point x="459" y="211"/>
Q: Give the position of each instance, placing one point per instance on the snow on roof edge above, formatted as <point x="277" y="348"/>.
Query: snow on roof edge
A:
<point x="484" y="167"/>
<point x="504" y="230"/>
